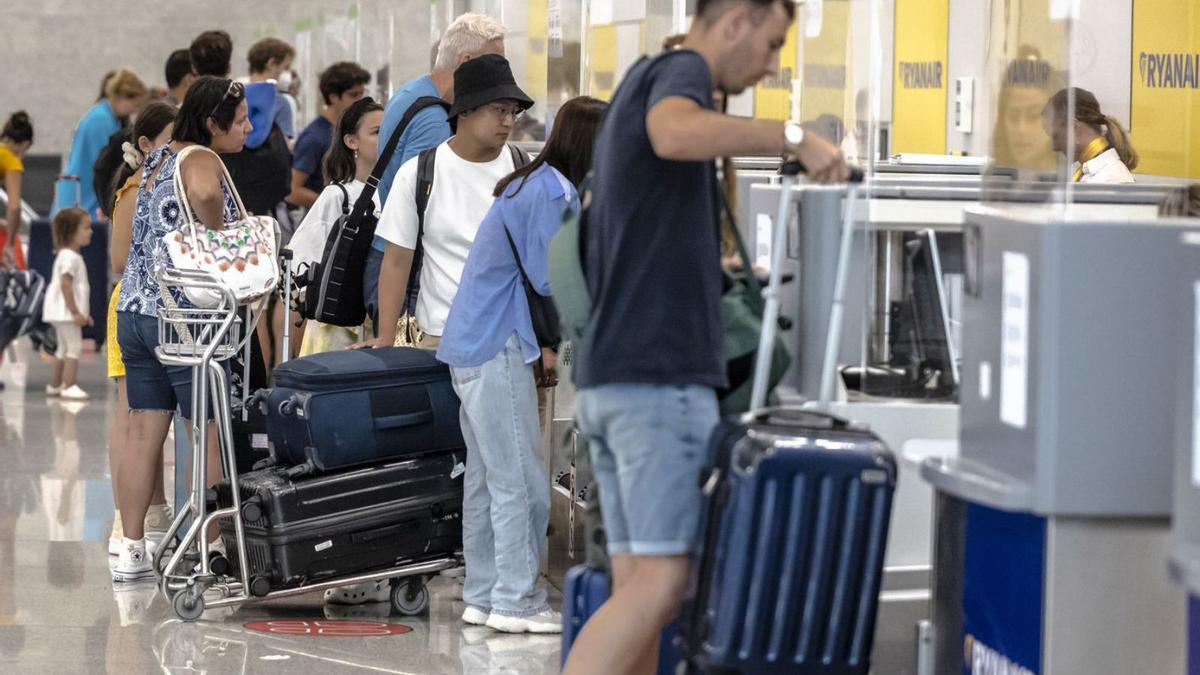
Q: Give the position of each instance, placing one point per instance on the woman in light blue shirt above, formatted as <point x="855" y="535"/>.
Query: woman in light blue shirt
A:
<point x="124" y="94"/>
<point x="490" y="346"/>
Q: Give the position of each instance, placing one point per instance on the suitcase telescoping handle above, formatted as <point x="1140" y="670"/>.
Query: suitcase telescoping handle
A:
<point x="770" y="321"/>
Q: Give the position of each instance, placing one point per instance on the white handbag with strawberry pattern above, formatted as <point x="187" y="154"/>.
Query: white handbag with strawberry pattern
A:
<point x="243" y="255"/>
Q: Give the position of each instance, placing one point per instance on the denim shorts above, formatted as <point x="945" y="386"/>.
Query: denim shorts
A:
<point x="648" y="445"/>
<point x="150" y="385"/>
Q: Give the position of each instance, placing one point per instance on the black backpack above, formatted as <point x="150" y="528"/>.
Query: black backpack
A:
<point x="334" y="287"/>
<point x="425" y="166"/>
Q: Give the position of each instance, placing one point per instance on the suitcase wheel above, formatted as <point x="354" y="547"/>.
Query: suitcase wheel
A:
<point x="189" y="604"/>
<point x="410" y="597"/>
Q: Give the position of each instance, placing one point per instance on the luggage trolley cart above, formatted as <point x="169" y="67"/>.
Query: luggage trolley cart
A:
<point x="203" y="339"/>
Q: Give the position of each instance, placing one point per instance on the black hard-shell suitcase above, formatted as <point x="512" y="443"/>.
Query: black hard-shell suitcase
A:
<point x="304" y="530"/>
<point x="797" y="507"/>
<point x="349" y="408"/>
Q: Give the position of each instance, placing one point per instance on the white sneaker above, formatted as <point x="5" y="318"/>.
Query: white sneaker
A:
<point x="74" y="393"/>
<point x="474" y="616"/>
<point x="158" y="521"/>
<point x="52" y="390"/>
<point x="134" y="563"/>
<point x="548" y="621"/>
<point x="357" y="594"/>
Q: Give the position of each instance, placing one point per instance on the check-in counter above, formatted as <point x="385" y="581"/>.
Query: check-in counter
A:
<point x="1053" y="518"/>
<point x="1184" y="554"/>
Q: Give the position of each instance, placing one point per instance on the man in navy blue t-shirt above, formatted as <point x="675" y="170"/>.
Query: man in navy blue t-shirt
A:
<point x="341" y="85"/>
<point x="648" y="370"/>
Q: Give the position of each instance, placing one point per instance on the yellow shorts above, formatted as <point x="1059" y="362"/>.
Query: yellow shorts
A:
<point x="116" y="367"/>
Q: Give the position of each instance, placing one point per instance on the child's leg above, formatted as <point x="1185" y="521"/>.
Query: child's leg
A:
<point x="69" y="371"/>
<point x="56" y="379"/>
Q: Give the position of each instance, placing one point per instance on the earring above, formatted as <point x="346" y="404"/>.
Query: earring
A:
<point x="355" y="154"/>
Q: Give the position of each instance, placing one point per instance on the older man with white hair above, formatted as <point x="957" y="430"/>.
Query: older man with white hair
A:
<point x="470" y="36"/>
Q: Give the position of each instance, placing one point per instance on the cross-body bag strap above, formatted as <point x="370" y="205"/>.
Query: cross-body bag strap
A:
<point x="366" y="198"/>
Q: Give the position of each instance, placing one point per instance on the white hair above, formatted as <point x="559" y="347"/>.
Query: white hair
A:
<point x="469" y="34"/>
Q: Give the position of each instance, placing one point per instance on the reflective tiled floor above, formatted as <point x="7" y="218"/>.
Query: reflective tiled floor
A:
<point x="59" y="612"/>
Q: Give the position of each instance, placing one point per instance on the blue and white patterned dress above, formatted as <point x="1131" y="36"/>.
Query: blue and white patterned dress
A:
<point x="156" y="213"/>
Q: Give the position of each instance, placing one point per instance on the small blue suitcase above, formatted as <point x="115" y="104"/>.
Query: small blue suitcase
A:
<point x="796" y="525"/>
<point x="584" y="590"/>
<point x="349" y="408"/>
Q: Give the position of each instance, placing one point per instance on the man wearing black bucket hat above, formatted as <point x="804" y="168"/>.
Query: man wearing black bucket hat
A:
<point x="464" y="171"/>
<point x="501" y="587"/>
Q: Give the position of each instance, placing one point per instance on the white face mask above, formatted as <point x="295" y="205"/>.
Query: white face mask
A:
<point x="284" y="82"/>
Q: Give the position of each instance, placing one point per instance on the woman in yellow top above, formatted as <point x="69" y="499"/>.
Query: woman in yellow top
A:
<point x="1102" y="152"/>
<point x="153" y="129"/>
<point x="15" y="140"/>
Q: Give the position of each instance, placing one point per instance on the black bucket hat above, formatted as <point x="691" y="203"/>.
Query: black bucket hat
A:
<point x="483" y="80"/>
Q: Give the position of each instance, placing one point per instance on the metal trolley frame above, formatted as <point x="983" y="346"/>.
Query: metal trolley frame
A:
<point x="186" y="567"/>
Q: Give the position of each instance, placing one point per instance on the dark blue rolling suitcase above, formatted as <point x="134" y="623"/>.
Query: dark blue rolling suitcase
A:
<point x="797" y="507"/>
<point x="795" y="530"/>
<point x="350" y="408"/>
<point x="584" y="590"/>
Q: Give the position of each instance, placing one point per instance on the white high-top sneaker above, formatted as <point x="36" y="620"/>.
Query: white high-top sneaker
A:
<point x="135" y="562"/>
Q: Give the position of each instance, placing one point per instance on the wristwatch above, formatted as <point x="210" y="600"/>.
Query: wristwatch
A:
<point x="793" y="133"/>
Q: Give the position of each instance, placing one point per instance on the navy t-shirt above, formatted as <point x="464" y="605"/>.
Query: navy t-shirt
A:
<point x="310" y="151"/>
<point x="652" y="245"/>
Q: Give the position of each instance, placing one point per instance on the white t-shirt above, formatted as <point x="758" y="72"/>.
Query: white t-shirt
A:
<point x="54" y="307"/>
<point x="308" y="242"/>
<point x="461" y="197"/>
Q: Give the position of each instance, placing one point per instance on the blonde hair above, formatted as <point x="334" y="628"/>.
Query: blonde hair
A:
<point x="124" y="84"/>
<point x="469" y="34"/>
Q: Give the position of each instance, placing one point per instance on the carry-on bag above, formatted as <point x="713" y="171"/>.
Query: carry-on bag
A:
<point x="352" y="407"/>
<point x="21" y="295"/>
<point x="797" y="507"/>
<point x="301" y="530"/>
<point x="585" y="589"/>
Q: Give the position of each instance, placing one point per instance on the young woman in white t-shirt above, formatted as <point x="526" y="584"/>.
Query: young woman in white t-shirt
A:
<point x="66" y="303"/>
<point x="347" y="165"/>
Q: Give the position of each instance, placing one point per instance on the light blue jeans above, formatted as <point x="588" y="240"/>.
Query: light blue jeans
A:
<point x="506" y="500"/>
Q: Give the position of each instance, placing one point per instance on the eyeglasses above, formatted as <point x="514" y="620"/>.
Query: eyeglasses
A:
<point x="502" y="111"/>
<point x="236" y="90"/>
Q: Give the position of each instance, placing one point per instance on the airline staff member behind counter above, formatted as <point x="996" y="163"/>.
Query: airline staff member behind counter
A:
<point x="1102" y="152"/>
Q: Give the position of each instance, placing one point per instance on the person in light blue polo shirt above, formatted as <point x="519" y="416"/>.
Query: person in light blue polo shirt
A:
<point x="494" y="358"/>
<point x="470" y="36"/>
<point x="124" y="94"/>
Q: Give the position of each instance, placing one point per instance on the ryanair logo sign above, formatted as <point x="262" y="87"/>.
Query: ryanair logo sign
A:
<point x="922" y="75"/>
<point x="1170" y="70"/>
<point x="983" y="660"/>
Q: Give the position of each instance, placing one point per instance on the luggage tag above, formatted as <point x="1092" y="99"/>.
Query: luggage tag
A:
<point x="458" y="470"/>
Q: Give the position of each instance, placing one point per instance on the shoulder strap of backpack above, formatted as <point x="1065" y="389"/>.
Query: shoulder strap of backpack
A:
<point x="366" y="199"/>
<point x="520" y="157"/>
<point x="345" y="199"/>
<point x="426" y="162"/>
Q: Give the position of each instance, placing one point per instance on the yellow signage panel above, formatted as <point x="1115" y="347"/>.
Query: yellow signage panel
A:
<point x="827" y="65"/>
<point x="919" y="86"/>
<point x="772" y="96"/>
<point x="1165" y="124"/>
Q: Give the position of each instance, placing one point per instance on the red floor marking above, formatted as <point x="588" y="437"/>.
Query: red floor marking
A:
<point x="327" y="628"/>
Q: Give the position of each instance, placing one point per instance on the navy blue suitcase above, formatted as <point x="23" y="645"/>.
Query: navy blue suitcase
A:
<point x="349" y="408"/>
<point x="797" y="511"/>
<point x="584" y="590"/>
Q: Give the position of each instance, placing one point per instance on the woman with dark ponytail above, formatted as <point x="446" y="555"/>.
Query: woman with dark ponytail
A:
<point x="15" y="140"/>
<point x="152" y="130"/>
<point x="347" y="164"/>
<point x="1102" y="152"/>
